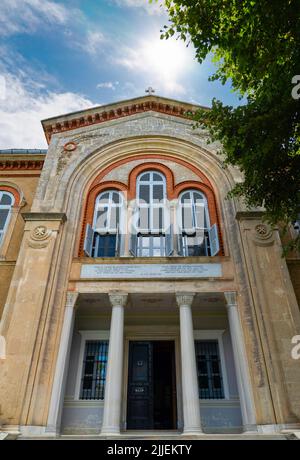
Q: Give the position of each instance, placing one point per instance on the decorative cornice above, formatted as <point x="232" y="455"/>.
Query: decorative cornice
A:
<point x="114" y="112"/>
<point x="44" y="216"/>
<point x="15" y="164"/>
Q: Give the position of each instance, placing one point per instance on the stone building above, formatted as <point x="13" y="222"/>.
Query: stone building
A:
<point x="134" y="295"/>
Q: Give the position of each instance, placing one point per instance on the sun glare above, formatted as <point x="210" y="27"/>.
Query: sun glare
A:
<point x="166" y="60"/>
<point x="166" y="57"/>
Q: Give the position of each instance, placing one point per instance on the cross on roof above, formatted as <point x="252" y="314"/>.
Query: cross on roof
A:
<point x="150" y="91"/>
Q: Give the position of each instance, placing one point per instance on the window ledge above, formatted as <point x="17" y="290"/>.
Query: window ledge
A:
<point x="152" y="260"/>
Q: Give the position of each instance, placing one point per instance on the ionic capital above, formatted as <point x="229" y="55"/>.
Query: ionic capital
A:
<point x="118" y="299"/>
<point x="71" y="299"/>
<point x="185" y="299"/>
<point x="230" y="297"/>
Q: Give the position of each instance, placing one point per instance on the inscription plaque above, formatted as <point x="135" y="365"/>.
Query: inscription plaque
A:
<point x="144" y="271"/>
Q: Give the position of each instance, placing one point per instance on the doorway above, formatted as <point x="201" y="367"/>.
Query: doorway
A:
<point x="151" y="398"/>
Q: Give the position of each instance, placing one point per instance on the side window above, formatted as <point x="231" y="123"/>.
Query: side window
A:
<point x="196" y="236"/>
<point x="94" y="369"/>
<point x="6" y="203"/>
<point x="105" y="237"/>
<point x="210" y="380"/>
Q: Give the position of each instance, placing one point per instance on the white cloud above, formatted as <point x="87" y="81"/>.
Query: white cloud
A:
<point x="25" y="16"/>
<point x="25" y="105"/>
<point x="93" y="43"/>
<point x="108" y="85"/>
<point x="150" y="8"/>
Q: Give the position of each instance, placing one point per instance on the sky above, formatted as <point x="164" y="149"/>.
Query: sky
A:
<point x="60" y="56"/>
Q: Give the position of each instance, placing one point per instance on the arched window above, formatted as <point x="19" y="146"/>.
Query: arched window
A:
<point x="196" y="236"/>
<point x="7" y="201"/>
<point x="152" y="235"/>
<point x="107" y="213"/>
<point x="104" y="237"/>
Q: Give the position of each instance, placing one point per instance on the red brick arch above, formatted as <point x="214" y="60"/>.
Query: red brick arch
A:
<point x="133" y="175"/>
<point x="13" y="191"/>
<point x="173" y="191"/>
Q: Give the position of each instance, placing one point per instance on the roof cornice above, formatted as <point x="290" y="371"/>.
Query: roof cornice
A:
<point x="21" y="162"/>
<point x="114" y="111"/>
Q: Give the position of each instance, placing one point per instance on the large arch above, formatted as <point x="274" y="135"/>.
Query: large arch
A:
<point x="68" y="197"/>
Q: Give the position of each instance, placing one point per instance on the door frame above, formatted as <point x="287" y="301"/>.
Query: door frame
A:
<point x="153" y="333"/>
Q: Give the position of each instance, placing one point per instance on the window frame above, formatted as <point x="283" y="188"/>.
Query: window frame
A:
<point x="86" y="336"/>
<point x="184" y="234"/>
<point x="218" y="336"/>
<point x="6" y="224"/>
<point x="152" y="205"/>
<point x="111" y="204"/>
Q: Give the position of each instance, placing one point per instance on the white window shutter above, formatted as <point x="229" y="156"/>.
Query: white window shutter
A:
<point x="133" y="244"/>
<point x="118" y="242"/>
<point x="180" y="245"/>
<point x="214" y="240"/>
<point x="88" y="241"/>
<point x="169" y="241"/>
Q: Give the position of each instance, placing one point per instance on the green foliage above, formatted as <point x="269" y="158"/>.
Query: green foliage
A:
<point x="256" y="45"/>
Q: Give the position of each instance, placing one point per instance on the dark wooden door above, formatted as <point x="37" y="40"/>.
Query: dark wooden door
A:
<point x="140" y="386"/>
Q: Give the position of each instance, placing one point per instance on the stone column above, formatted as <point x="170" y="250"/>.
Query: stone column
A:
<point x="190" y="392"/>
<point x="240" y="361"/>
<point x="114" y="374"/>
<point x="62" y="365"/>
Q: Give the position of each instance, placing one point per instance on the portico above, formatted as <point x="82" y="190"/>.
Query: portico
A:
<point x="144" y="315"/>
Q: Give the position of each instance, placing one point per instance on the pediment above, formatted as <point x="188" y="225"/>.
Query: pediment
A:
<point x="106" y="113"/>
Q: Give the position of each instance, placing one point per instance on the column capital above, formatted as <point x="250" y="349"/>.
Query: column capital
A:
<point x="231" y="298"/>
<point x="71" y="299"/>
<point x="184" y="299"/>
<point x="118" y="299"/>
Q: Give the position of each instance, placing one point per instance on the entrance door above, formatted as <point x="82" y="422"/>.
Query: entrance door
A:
<point x="151" y="399"/>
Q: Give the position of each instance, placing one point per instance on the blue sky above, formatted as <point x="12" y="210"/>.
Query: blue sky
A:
<point x="59" y="56"/>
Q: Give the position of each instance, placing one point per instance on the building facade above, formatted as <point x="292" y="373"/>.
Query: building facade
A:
<point x="134" y="295"/>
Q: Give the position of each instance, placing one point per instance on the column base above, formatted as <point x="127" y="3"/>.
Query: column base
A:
<point x="110" y="432"/>
<point x="192" y="432"/>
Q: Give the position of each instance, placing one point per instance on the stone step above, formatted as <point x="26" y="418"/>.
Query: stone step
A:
<point x="168" y="437"/>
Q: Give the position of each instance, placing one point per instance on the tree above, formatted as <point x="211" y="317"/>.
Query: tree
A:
<point x="256" y="45"/>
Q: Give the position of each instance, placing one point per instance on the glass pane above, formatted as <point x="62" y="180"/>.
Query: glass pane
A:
<point x="209" y="369"/>
<point x="145" y="177"/>
<point x="158" y="192"/>
<point x="6" y="199"/>
<point x="158" y="221"/>
<point x="185" y="197"/>
<point x="104" y="198"/>
<point x="157" y="177"/>
<point x="145" y="241"/>
<point x="144" y="223"/>
<point x="106" y="246"/>
<point x="94" y="370"/>
<point x="3" y="216"/>
<point x="187" y="218"/>
<point x="114" y="218"/>
<point x="101" y="219"/>
<point x="200" y="215"/>
<point x="145" y="193"/>
<point x="198" y="197"/>
<point x="116" y="198"/>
